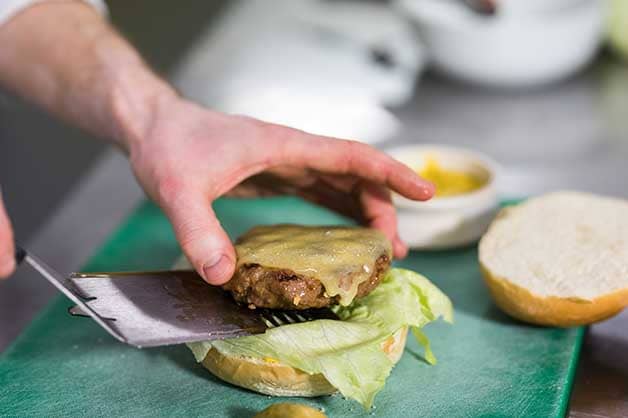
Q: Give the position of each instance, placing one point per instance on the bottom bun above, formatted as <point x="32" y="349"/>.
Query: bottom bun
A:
<point x="556" y="311"/>
<point x="271" y="377"/>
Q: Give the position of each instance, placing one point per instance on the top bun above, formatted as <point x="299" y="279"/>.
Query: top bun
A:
<point x="560" y="259"/>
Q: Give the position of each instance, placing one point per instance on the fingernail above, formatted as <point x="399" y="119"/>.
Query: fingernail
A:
<point x="216" y="271"/>
<point x="428" y="190"/>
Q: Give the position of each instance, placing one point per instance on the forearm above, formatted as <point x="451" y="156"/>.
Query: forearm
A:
<point x="66" y="58"/>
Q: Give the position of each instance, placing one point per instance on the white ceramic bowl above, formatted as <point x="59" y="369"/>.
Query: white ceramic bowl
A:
<point x="525" y="44"/>
<point x="446" y="222"/>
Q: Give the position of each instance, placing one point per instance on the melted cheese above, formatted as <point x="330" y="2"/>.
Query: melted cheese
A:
<point x="341" y="258"/>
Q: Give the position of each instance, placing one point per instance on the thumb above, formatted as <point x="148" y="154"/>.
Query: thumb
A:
<point x="204" y="242"/>
<point x="7" y="249"/>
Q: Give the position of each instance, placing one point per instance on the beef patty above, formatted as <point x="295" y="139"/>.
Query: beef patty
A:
<point x="273" y="288"/>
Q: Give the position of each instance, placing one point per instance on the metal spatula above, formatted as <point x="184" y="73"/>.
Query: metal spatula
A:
<point x="156" y="308"/>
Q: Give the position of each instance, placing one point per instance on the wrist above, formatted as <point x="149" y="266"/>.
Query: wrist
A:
<point x="137" y="101"/>
<point x="132" y="94"/>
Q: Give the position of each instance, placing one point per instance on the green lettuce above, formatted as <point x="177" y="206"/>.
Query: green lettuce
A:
<point x="348" y="352"/>
<point x="617" y="23"/>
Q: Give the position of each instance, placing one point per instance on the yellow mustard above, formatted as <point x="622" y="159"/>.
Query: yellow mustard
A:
<point x="290" y="410"/>
<point x="448" y="182"/>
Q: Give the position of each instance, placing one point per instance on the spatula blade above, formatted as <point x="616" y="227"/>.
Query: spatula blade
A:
<point x="166" y="307"/>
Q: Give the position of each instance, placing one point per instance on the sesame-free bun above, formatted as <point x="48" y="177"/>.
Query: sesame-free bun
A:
<point x="270" y="377"/>
<point x="560" y="259"/>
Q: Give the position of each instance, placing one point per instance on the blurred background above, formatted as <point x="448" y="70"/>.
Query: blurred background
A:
<point x="541" y="86"/>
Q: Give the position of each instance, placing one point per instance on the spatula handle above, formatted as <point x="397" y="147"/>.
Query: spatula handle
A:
<point x="58" y="281"/>
<point x="20" y="254"/>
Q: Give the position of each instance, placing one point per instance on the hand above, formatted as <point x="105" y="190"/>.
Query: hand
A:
<point x="185" y="156"/>
<point x="189" y="156"/>
<point x="7" y="249"/>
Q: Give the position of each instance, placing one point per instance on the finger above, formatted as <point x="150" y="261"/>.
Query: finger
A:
<point x="204" y="242"/>
<point x="325" y="194"/>
<point x="380" y="213"/>
<point x="282" y="181"/>
<point x="347" y="184"/>
<point x="335" y="156"/>
<point x="7" y="249"/>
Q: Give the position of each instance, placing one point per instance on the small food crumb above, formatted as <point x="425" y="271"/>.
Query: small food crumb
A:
<point x="290" y="410"/>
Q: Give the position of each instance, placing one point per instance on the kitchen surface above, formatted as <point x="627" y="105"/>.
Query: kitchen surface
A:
<point x="66" y="194"/>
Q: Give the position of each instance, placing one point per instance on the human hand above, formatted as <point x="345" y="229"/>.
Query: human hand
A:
<point x="185" y="156"/>
<point x="7" y="249"/>
<point x="188" y="156"/>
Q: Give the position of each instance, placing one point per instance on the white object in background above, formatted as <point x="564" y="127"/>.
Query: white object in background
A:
<point x="445" y="222"/>
<point x="307" y="64"/>
<point x="310" y="111"/>
<point x="527" y="43"/>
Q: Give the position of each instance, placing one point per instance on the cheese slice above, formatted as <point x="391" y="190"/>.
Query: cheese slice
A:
<point x="341" y="258"/>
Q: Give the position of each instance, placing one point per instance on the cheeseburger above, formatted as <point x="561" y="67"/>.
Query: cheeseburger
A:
<point x="347" y="269"/>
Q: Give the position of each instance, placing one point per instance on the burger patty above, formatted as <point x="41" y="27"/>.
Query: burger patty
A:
<point x="262" y="287"/>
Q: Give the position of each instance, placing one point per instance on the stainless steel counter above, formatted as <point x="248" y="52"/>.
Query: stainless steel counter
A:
<point x="570" y="136"/>
<point x="573" y="135"/>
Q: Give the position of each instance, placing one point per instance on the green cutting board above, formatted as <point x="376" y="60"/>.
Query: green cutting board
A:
<point x="488" y="365"/>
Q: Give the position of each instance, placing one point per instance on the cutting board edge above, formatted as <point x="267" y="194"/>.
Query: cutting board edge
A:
<point x="572" y="369"/>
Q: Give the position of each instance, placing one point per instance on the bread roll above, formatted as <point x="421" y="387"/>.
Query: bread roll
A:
<point x="271" y="377"/>
<point x="559" y="259"/>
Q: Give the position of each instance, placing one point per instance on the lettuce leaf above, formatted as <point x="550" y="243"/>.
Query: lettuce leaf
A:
<point x="348" y="352"/>
<point x="617" y="23"/>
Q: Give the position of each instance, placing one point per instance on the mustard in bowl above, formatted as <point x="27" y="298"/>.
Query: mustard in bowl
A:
<point x="465" y="199"/>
